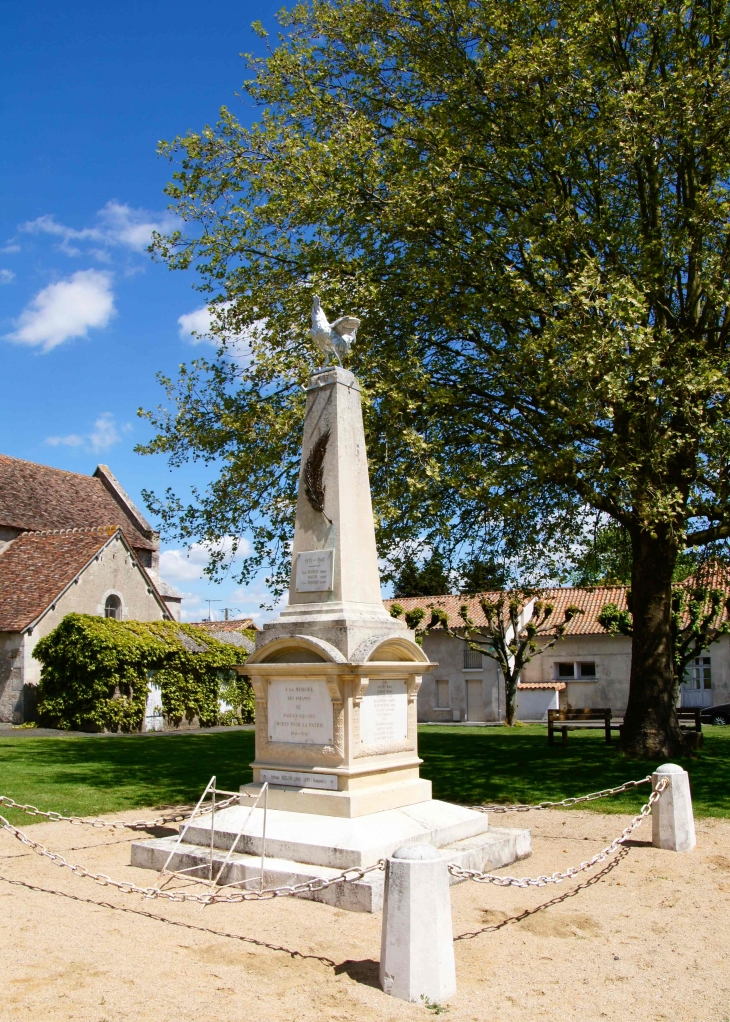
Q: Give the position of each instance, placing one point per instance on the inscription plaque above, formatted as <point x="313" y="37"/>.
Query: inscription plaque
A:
<point x="300" y="779"/>
<point x="300" y="712"/>
<point x="384" y="713"/>
<point x="315" y="571"/>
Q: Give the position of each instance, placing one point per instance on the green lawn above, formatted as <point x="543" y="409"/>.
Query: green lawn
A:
<point x="101" y="775"/>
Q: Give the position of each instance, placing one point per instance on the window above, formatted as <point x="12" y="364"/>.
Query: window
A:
<point x="565" y="670"/>
<point x="587" y="670"/>
<point x="699" y="673"/>
<point x="472" y="660"/>
<point x="442" y="694"/>
<point x="113" y="607"/>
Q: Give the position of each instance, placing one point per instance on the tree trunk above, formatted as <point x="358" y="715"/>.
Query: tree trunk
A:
<point x="651" y="728"/>
<point x="510" y="698"/>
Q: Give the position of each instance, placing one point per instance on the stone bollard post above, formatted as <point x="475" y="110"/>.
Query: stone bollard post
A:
<point x="672" y="819"/>
<point x="417" y="945"/>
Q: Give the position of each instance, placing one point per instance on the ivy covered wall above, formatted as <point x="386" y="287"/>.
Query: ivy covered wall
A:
<point x="96" y="673"/>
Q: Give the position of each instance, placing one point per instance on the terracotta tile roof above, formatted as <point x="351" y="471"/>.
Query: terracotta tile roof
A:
<point x="557" y="686"/>
<point x="36" y="497"/>
<point x="36" y="567"/>
<point x="235" y="625"/>
<point x="591" y="601"/>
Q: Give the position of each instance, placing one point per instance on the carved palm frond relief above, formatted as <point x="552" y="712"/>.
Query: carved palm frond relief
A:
<point x="313" y="472"/>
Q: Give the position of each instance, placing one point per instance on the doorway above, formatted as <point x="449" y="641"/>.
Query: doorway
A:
<point x="475" y="699"/>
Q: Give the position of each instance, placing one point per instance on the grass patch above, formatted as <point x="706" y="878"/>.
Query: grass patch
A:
<point x="88" y="776"/>
<point x="500" y="764"/>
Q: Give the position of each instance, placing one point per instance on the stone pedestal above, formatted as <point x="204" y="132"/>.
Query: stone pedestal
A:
<point x="417" y="945"/>
<point x="336" y="681"/>
<point x="672" y="817"/>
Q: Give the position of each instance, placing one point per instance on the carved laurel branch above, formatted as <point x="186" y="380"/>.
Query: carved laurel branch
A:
<point x="313" y="472"/>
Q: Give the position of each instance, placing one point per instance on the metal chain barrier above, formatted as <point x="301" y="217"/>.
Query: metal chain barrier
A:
<point x="558" y="877"/>
<point x="115" y="824"/>
<point x="604" y="793"/>
<point x="348" y="876"/>
<point x="321" y="883"/>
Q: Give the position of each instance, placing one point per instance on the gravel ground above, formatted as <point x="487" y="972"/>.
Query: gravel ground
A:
<point x="646" y="937"/>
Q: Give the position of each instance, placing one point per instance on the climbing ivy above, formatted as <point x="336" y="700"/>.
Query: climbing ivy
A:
<point x="96" y="673"/>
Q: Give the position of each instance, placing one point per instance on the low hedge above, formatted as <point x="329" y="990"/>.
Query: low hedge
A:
<point x="96" y="674"/>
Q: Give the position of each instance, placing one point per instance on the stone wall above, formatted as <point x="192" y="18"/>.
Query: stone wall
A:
<point x="472" y="694"/>
<point x="11" y="678"/>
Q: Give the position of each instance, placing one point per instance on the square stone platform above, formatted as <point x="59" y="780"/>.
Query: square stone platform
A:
<point x="304" y="846"/>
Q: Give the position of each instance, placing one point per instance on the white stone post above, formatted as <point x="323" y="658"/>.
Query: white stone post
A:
<point x="417" y="945"/>
<point x="672" y="819"/>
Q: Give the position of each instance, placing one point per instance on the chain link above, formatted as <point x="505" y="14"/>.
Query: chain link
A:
<point x="321" y="883"/>
<point x="604" y="793"/>
<point x="348" y="876"/>
<point x="115" y="824"/>
<point x="558" y="877"/>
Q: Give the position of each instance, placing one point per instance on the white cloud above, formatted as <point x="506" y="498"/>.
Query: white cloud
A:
<point x="69" y="308"/>
<point x="195" y="326"/>
<point x="10" y="247"/>
<point x="103" y="436"/>
<point x="118" y="225"/>
<point x="186" y="565"/>
<point x="6" y="276"/>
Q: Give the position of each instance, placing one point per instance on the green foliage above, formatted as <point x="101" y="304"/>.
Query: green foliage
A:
<point x="606" y="560"/>
<point x="96" y="672"/>
<point x="700" y="617"/>
<point x="482" y="575"/>
<point x="529" y="207"/>
<point x="431" y="578"/>
<point x="396" y="610"/>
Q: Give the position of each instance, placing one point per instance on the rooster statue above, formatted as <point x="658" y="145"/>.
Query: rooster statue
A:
<point x="332" y="339"/>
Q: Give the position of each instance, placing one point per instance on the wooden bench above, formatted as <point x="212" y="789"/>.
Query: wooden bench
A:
<point x="572" y="720"/>
<point x="690" y="723"/>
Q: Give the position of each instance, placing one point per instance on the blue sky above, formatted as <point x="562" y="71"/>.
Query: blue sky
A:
<point x="86" y="317"/>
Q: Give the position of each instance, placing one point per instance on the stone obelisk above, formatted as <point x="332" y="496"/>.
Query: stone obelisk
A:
<point x="334" y="593"/>
<point x="336" y="680"/>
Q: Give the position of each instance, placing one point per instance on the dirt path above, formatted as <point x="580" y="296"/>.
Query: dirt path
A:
<point x="647" y="938"/>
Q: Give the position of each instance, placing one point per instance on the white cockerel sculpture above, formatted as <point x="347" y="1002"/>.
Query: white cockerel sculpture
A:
<point x="334" y="339"/>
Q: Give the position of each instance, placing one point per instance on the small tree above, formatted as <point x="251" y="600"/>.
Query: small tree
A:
<point x="516" y="631"/>
<point x="697" y="623"/>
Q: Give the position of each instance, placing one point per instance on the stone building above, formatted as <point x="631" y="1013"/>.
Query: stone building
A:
<point x="68" y="542"/>
<point x="587" y="667"/>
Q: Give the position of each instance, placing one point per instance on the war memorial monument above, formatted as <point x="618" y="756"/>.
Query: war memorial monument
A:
<point x="336" y="681"/>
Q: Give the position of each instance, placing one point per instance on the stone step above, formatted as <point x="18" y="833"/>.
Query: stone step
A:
<point x="338" y="842"/>
<point x="491" y="850"/>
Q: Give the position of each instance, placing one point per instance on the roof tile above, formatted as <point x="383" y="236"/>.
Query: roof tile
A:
<point x="37" y="497"/>
<point x="36" y="567"/>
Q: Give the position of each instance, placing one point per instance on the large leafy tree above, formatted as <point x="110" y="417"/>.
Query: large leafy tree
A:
<point x="527" y="204"/>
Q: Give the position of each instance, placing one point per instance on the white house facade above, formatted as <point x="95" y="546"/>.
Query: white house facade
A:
<point x="586" y="668"/>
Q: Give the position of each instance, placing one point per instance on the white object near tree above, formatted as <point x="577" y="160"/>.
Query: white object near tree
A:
<point x="417" y="944"/>
<point x="332" y="339"/>
<point x="672" y="818"/>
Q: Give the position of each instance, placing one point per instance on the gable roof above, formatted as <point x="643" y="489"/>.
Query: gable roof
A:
<point x="37" y="498"/>
<point x="36" y="568"/>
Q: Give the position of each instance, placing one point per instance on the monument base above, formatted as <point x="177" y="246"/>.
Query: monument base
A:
<point x="351" y="803"/>
<point x="304" y="846"/>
